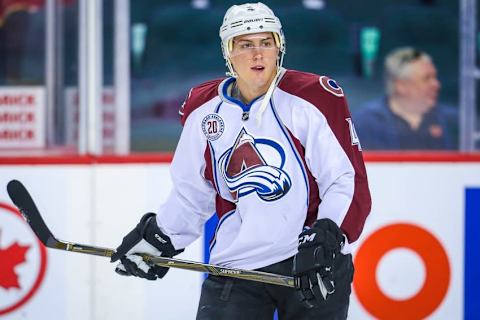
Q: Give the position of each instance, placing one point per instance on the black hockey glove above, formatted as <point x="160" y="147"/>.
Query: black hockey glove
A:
<point x="313" y="265"/>
<point x="146" y="237"/>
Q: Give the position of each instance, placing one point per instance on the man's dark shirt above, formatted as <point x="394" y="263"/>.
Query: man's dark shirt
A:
<point x="378" y="128"/>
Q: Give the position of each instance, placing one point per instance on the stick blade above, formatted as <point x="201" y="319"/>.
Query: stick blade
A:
<point x="24" y="202"/>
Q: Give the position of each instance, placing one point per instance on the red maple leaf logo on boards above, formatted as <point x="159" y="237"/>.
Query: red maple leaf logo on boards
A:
<point x="9" y="259"/>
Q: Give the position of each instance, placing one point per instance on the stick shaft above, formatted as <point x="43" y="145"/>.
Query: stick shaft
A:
<point x="184" y="264"/>
<point x="24" y="202"/>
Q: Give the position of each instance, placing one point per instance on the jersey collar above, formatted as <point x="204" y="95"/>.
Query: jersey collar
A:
<point x="223" y="93"/>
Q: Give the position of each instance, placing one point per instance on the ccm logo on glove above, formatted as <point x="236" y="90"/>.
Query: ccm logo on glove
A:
<point x="159" y="238"/>
<point x="306" y="238"/>
<point x="313" y="265"/>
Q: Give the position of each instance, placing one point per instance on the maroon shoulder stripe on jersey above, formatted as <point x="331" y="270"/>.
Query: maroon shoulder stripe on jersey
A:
<point x="222" y="206"/>
<point x="198" y="96"/>
<point x="307" y="86"/>
<point x="314" y="194"/>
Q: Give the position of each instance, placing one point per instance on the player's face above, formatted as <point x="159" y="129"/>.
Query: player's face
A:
<point x="421" y="86"/>
<point x="254" y="58"/>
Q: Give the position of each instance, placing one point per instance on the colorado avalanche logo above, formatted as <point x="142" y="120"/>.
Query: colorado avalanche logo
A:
<point x="245" y="170"/>
<point x="331" y="86"/>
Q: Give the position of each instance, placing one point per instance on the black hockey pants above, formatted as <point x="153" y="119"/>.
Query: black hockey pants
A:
<point x="236" y="299"/>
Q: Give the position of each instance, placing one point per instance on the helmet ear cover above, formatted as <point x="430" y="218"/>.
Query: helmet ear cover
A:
<point x="277" y="40"/>
<point x="230" y="46"/>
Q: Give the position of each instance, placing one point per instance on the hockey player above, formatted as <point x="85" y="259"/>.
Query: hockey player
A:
<point x="273" y="152"/>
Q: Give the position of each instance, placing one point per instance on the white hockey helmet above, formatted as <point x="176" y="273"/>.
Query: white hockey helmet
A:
<point x="249" y="18"/>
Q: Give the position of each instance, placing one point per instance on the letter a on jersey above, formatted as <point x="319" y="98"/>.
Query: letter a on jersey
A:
<point x="246" y="170"/>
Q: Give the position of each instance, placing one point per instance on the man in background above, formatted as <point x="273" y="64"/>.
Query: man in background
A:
<point x="408" y="117"/>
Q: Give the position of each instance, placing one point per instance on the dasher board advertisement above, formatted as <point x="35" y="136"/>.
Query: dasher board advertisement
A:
<point x="417" y="258"/>
<point x="22" y="117"/>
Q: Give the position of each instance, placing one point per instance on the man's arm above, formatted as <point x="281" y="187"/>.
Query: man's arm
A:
<point x="333" y="154"/>
<point x="180" y="219"/>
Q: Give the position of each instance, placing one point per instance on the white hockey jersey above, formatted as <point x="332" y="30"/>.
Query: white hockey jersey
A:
<point x="265" y="182"/>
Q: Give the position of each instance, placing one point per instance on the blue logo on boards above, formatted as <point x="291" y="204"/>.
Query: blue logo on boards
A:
<point x="472" y="254"/>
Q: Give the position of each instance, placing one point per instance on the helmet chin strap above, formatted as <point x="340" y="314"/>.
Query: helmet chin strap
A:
<point x="268" y="95"/>
<point x="231" y="72"/>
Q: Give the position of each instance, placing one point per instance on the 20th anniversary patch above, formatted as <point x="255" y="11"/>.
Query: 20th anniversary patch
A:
<point x="213" y="126"/>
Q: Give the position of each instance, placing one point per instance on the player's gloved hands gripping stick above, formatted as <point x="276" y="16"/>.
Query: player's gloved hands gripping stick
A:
<point x="146" y="237"/>
<point x="313" y="265"/>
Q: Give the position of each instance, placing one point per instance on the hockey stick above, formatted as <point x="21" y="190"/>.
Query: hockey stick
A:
<point x="24" y="202"/>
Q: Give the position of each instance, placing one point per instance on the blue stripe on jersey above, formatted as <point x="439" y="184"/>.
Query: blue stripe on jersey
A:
<point x="217" y="109"/>
<point x="209" y="232"/>
<point x="220" y="222"/>
<point x="295" y="151"/>
<point x="472" y="254"/>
